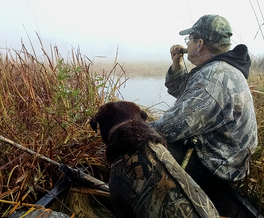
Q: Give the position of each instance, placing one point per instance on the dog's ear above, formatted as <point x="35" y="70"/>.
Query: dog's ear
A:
<point x="93" y="123"/>
<point x="143" y="115"/>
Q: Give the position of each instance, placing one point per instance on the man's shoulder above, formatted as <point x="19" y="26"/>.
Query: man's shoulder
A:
<point x="218" y="68"/>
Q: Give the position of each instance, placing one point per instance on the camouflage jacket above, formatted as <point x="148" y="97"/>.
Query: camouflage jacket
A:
<point x="151" y="184"/>
<point x="214" y="103"/>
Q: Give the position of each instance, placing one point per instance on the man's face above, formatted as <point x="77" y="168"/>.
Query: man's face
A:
<point x="193" y="49"/>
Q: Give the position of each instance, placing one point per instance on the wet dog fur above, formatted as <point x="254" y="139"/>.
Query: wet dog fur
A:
<point x="134" y="134"/>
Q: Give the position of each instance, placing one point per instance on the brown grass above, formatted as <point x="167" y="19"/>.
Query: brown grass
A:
<point x="46" y="106"/>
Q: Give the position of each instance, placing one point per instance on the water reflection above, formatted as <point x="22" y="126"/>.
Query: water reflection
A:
<point x="147" y="91"/>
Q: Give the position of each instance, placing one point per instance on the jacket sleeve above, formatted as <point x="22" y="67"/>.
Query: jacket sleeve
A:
<point x="193" y="114"/>
<point x="176" y="82"/>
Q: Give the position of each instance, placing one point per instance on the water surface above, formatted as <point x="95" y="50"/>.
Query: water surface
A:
<point x="147" y="91"/>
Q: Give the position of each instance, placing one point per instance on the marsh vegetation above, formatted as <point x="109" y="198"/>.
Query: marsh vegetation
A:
<point x="46" y="105"/>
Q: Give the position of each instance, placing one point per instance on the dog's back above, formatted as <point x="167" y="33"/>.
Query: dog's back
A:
<point x="130" y="137"/>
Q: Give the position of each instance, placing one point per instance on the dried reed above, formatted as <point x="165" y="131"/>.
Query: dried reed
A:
<point x="46" y="106"/>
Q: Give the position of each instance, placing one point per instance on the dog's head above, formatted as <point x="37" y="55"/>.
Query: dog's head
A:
<point x="114" y="113"/>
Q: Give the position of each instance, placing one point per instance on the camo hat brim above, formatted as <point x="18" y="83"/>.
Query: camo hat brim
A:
<point x="211" y="27"/>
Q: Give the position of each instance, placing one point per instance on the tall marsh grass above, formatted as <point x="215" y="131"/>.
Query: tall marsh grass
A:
<point x="45" y="105"/>
<point x="252" y="186"/>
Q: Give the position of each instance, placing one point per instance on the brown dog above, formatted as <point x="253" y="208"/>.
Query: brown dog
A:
<point x="145" y="180"/>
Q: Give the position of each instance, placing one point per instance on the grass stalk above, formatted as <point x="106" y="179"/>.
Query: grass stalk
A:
<point x="46" y="106"/>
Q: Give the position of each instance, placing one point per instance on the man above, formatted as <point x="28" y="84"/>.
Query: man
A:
<point x="214" y="102"/>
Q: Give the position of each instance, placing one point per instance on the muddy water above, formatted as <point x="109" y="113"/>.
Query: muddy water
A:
<point x="147" y="91"/>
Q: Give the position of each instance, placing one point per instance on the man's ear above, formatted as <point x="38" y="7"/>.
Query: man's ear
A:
<point x="143" y="115"/>
<point x="93" y="123"/>
<point x="201" y="44"/>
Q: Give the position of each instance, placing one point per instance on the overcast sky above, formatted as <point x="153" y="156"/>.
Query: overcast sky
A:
<point x="141" y="29"/>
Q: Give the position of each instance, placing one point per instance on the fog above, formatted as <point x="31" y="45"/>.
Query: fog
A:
<point x="139" y="30"/>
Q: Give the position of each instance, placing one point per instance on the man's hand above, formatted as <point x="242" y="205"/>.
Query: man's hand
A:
<point x="176" y="57"/>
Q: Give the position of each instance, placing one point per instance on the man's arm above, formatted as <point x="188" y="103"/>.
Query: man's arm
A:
<point x="176" y="77"/>
<point x="194" y="113"/>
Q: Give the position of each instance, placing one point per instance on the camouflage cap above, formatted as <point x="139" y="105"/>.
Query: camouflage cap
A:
<point x="211" y="27"/>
